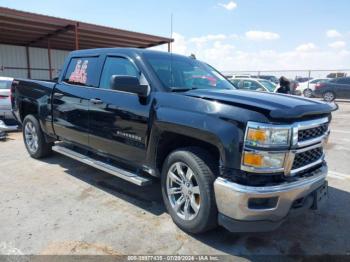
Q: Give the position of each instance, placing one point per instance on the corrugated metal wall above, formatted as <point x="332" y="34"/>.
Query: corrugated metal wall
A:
<point x="15" y="56"/>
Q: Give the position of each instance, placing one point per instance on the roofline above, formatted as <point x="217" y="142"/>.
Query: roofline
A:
<point x="9" y="12"/>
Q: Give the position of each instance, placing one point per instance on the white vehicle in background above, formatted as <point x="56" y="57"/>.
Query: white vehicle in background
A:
<point x="307" y="88"/>
<point x="242" y="76"/>
<point x="254" y="84"/>
<point x="7" y="120"/>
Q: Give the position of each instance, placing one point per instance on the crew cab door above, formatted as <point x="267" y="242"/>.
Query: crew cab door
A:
<point x="71" y="99"/>
<point x="119" y="120"/>
<point x="342" y="88"/>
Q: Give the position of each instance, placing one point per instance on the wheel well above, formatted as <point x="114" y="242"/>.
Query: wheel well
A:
<point x="169" y="141"/>
<point x="28" y="109"/>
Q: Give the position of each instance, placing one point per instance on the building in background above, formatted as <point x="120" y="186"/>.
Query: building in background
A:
<point x="35" y="46"/>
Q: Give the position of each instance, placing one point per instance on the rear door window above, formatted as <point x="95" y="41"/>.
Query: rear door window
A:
<point x="82" y="71"/>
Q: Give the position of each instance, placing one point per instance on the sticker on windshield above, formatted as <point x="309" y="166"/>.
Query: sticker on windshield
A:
<point x="79" y="75"/>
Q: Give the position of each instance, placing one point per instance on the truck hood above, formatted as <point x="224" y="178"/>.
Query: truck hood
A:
<point x="275" y="106"/>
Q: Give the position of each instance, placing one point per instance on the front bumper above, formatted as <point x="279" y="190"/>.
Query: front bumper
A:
<point x="237" y="214"/>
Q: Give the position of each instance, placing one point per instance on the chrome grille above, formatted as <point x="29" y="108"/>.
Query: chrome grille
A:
<point x="310" y="133"/>
<point x="308" y="157"/>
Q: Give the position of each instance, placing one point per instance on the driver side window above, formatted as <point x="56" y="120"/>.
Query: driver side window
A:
<point x="116" y="66"/>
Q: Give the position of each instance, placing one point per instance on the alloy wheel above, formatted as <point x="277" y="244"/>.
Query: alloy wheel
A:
<point x="328" y="96"/>
<point x="183" y="191"/>
<point x="31" y="137"/>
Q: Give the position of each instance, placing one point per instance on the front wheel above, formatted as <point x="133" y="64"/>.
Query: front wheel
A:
<point x="187" y="182"/>
<point x="34" y="139"/>
<point x="328" y="96"/>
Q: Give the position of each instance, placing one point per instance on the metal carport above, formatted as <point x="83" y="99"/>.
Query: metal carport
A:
<point x="34" y="30"/>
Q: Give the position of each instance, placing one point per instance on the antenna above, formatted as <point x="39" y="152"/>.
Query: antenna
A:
<point x="171" y="32"/>
<point x="171" y="50"/>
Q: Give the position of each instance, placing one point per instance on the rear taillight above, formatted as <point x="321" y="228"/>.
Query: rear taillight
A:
<point x="319" y="85"/>
<point x="12" y="91"/>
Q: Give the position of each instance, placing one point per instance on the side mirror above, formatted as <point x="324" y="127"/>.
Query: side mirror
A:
<point x="130" y="84"/>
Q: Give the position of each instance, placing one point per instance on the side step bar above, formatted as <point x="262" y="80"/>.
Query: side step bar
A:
<point x="113" y="170"/>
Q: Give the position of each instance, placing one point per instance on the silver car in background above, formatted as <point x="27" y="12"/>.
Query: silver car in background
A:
<point x="7" y="120"/>
<point x="254" y="84"/>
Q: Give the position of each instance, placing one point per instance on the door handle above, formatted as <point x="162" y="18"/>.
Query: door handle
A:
<point x="58" y="95"/>
<point x="96" y="101"/>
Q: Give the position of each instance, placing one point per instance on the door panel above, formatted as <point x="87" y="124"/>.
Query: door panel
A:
<point x="346" y="91"/>
<point x="71" y="112"/>
<point x="119" y="121"/>
<point x="118" y="125"/>
<point x="343" y="88"/>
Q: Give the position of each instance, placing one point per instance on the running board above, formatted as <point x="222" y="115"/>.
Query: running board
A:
<point x="113" y="170"/>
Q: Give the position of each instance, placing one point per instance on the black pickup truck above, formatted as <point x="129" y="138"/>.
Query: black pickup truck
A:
<point x="240" y="159"/>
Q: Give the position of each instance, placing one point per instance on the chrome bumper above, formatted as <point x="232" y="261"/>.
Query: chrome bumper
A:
<point x="232" y="198"/>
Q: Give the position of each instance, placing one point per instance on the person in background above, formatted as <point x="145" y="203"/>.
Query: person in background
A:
<point x="284" y="87"/>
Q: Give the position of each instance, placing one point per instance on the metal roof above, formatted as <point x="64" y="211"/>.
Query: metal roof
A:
<point x="29" y="29"/>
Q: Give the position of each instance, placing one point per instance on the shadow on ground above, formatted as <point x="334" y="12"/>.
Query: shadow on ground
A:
<point x="146" y="197"/>
<point x="321" y="232"/>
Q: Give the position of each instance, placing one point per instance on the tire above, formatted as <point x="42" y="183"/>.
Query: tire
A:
<point x="307" y="93"/>
<point x="328" y="96"/>
<point x="203" y="176"/>
<point x="34" y="139"/>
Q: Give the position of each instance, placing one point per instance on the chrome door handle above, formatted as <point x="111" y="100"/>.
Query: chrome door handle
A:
<point x="58" y="95"/>
<point x="96" y="101"/>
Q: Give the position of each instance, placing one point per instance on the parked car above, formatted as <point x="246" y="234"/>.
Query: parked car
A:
<point x="2" y="134"/>
<point x="271" y="78"/>
<point x="307" y="88"/>
<point x="8" y="121"/>
<point x="300" y="79"/>
<point x="223" y="156"/>
<point x="243" y="76"/>
<point x="334" y="88"/>
<point x="254" y="84"/>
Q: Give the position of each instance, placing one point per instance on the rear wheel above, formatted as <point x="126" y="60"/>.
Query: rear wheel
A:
<point x="34" y="139"/>
<point x="307" y="92"/>
<point x="187" y="189"/>
<point x="328" y="96"/>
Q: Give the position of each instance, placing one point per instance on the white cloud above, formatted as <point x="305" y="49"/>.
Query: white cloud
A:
<point x="306" y="47"/>
<point x="224" y="56"/>
<point x="332" y="33"/>
<point x="337" y="44"/>
<point x="179" y="45"/>
<point x="204" y="39"/>
<point x="261" y="35"/>
<point x="207" y="40"/>
<point x="229" y="6"/>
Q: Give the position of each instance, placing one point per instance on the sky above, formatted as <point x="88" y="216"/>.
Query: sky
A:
<point x="231" y="35"/>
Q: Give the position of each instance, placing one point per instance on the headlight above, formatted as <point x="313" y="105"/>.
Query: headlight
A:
<point x="263" y="160"/>
<point x="267" y="135"/>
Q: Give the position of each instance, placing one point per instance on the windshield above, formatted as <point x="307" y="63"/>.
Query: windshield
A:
<point x="178" y="73"/>
<point x="268" y="85"/>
